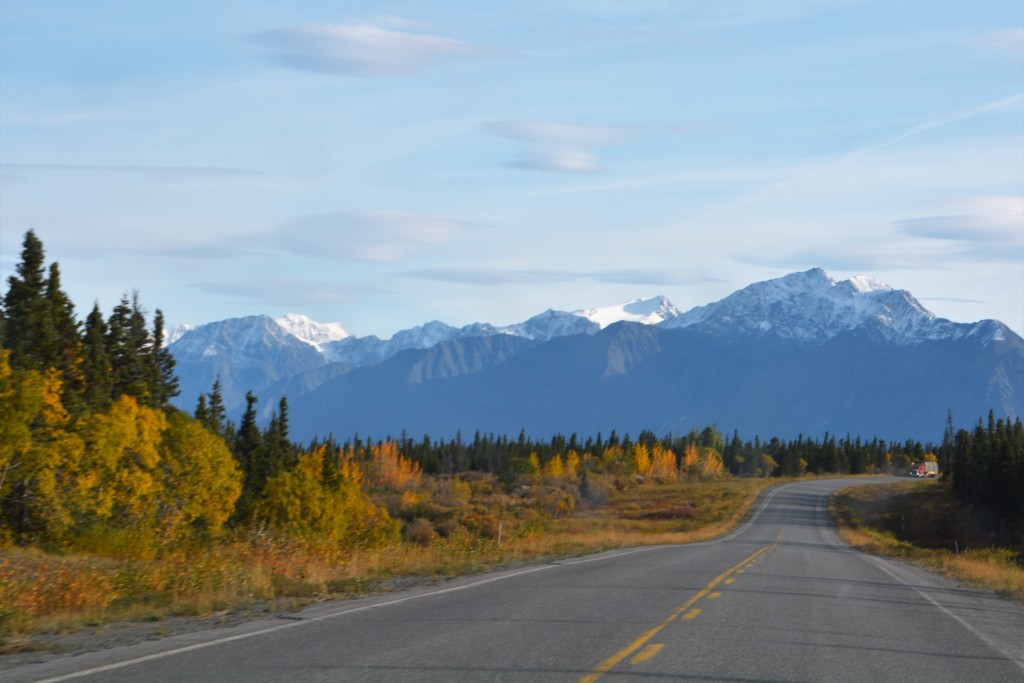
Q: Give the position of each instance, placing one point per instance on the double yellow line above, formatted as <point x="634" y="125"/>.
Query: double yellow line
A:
<point x="684" y="611"/>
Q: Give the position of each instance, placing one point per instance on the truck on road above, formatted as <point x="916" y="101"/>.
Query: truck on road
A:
<point x="925" y="468"/>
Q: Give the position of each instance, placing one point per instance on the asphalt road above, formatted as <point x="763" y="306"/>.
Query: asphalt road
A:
<point x="780" y="599"/>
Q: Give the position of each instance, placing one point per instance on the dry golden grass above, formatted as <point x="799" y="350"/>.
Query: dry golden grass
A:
<point x="922" y="523"/>
<point x="42" y="591"/>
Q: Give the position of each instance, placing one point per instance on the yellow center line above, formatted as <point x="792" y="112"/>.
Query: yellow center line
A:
<point x="647" y="653"/>
<point x="626" y="652"/>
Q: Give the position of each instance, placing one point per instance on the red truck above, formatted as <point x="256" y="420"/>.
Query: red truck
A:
<point x="926" y="468"/>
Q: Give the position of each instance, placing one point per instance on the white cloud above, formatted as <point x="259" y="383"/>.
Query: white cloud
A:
<point x="500" y="276"/>
<point x="364" y="49"/>
<point x="985" y="219"/>
<point x="1010" y="40"/>
<point x="160" y="171"/>
<point x="364" y="235"/>
<point x="284" y="292"/>
<point x="557" y="146"/>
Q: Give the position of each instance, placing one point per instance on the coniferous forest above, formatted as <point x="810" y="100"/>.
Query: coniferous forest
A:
<point x="95" y="459"/>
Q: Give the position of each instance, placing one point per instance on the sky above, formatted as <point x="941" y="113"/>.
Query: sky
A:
<point x="383" y="164"/>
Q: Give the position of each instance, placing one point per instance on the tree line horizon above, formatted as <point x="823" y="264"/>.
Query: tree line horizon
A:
<point x="91" y="445"/>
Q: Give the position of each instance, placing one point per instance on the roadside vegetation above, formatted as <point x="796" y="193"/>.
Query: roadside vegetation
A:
<point x="925" y="523"/>
<point x="116" y="505"/>
<point x="450" y="526"/>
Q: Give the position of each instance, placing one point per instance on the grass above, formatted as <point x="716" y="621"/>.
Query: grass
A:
<point x="923" y="523"/>
<point x="61" y="592"/>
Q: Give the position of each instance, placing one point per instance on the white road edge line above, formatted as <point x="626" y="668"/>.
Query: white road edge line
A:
<point x="287" y="625"/>
<point x="1014" y="657"/>
<point x="291" y="624"/>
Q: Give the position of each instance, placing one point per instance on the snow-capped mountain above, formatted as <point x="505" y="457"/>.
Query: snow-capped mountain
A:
<point x="813" y="307"/>
<point x="646" y="311"/>
<point x="803" y="353"/>
<point x="177" y="332"/>
<point x="304" y="328"/>
<point x="245" y="354"/>
<point x="359" y="351"/>
<point x="550" y="324"/>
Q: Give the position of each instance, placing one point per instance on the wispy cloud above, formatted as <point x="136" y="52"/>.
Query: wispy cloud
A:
<point x="557" y="146"/>
<point x="1011" y="40"/>
<point x="862" y="260"/>
<point x="174" y="171"/>
<point x="491" y="277"/>
<point x="994" y="219"/>
<point x="282" y="291"/>
<point x="385" y="48"/>
<point x="364" y="235"/>
<point x="1013" y="101"/>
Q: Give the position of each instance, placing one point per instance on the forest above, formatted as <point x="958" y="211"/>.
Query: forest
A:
<point x="94" y="458"/>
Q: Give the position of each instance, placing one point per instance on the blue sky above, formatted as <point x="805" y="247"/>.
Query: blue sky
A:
<point x="382" y="164"/>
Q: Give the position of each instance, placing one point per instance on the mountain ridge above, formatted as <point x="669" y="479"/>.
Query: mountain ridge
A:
<point x="774" y="329"/>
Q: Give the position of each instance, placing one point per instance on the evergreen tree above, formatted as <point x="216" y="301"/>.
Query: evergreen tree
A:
<point x="216" y="415"/>
<point x="165" y="382"/>
<point x="246" y="450"/>
<point x="96" y="367"/>
<point x="124" y="373"/>
<point x="28" y="325"/>
<point x="66" y="353"/>
<point x="948" y="440"/>
<point x="202" y="413"/>
<point x="276" y="453"/>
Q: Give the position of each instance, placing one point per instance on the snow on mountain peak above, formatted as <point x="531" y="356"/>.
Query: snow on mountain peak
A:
<point x="177" y="332"/>
<point x="864" y="284"/>
<point x="812" y="306"/>
<point x="647" y="311"/>
<point x="314" y="333"/>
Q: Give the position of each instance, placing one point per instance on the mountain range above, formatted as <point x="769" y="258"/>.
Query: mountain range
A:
<point x="800" y="354"/>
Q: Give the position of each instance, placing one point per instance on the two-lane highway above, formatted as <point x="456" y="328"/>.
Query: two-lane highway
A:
<point x="780" y="599"/>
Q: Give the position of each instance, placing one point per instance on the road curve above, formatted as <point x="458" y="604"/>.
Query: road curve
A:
<point x="779" y="599"/>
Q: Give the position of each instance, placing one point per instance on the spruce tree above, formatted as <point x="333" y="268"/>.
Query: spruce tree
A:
<point x="66" y="352"/>
<point x="277" y="451"/>
<point x="216" y="415"/>
<point x="247" y="452"/>
<point x="202" y="413"/>
<point x="130" y="348"/>
<point x="96" y="366"/>
<point x="28" y="325"/>
<point x="165" y="382"/>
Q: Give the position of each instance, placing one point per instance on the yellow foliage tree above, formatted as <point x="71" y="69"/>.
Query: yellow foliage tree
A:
<point x="121" y="480"/>
<point x="201" y="478"/>
<point x="298" y="502"/>
<point x="766" y="465"/>
<point x="555" y="467"/>
<point x="39" y="455"/>
<point x="572" y="464"/>
<point x="391" y="470"/>
<point x="642" y="460"/>
<point x="614" y="459"/>
<point x="533" y="465"/>
<point x="712" y="466"/>
<point x="690" y="465"/>
<point x="663" y="463"/>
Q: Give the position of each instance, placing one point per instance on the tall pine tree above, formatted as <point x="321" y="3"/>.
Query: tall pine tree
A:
<point x="246" y="449"/>
<point x="28" y="325"/>
<point x="96" y="365"/>
<point x="165" y="382"/>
